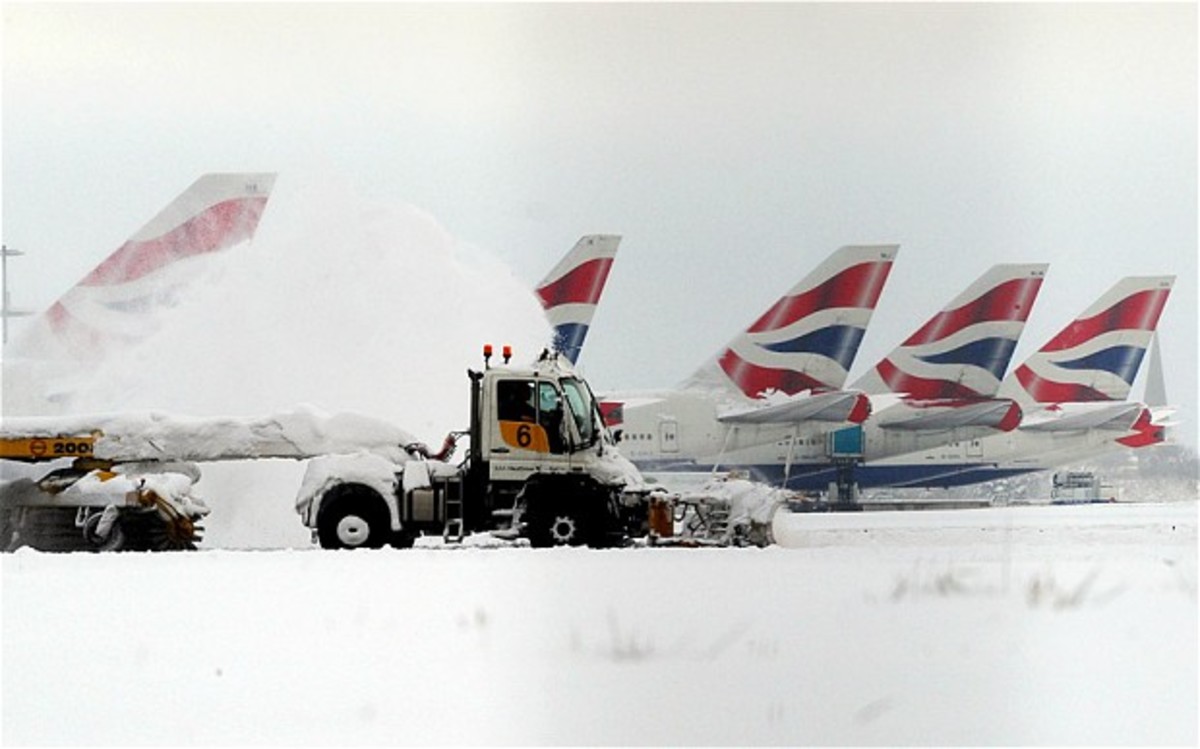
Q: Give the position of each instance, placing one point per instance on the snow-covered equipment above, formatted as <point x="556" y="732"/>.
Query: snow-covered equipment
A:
<point x="127" y="481"/>
<point x="94" y="504"/>
<point x="541" y="465"/>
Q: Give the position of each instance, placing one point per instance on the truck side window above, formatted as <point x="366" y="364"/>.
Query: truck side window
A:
<point x="550" y="416"/>
<point x="516" y="401"/>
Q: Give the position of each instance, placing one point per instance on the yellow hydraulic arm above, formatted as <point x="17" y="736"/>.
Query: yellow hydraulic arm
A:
<point x="36" y="449"/>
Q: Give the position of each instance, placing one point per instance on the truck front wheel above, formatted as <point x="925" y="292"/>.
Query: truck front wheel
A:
<point x="351" y="520"/>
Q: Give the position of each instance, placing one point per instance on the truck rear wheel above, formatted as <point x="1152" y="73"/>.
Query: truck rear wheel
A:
<point x="353" y="519"/>
<point x="557" y="525"/>
<point x="566" y="529"/>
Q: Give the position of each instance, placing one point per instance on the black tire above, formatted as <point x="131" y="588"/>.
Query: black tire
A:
<point x="353" y="518"/>
<point x="558" y="526"/>
<point x="562" y="513"/>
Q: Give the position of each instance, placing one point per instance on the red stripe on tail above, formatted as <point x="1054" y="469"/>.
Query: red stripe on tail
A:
<point x="216" y="228"/>
<point x="582" y="285"/>
<point x="856" y="287"/>
<point x="1011" y="300"/>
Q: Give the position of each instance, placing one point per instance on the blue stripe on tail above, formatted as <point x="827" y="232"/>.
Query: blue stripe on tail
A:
<point x="568" y="339"/>
<point x="992" y="354"/>
<point x="837" y="342"/>
<point x="1123" y="361"/>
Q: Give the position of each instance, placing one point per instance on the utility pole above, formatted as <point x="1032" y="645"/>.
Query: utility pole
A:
<point x="7" y="311"/>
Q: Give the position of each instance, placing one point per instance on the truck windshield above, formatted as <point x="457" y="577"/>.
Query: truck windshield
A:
<point x="583" y="409"/>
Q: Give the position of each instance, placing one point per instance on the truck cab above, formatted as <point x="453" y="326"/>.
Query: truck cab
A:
<point x="536" y="421"/>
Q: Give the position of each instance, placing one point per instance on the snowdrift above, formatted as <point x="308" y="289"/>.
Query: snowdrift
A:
<point x="1016" y="626"/>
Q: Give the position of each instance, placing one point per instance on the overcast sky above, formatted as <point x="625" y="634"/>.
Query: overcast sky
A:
<point x="733" y="146"/>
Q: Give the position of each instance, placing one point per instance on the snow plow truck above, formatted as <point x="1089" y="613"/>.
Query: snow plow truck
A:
<point x="541" y="465"/>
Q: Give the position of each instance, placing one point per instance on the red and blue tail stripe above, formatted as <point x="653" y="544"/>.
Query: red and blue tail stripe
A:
<point x="219" y="226"/>
<point x="855" y="287"/>
<point x="1096" y="357"/>
<point x="963" y="351"/>
<point x="572" y="290"/>
<point x="807" y="340"/>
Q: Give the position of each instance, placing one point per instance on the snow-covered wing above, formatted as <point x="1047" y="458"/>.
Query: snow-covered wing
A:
<point x="993" y="413"/>
<point x="836" y="406"/>
<point x="1071" y="417"/>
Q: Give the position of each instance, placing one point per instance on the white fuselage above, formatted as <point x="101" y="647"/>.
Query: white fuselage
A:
<point x="680" y="431"/>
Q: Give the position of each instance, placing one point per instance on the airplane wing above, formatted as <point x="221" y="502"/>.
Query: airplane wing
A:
<point x="1072" y="417"/>
<point x="837" y="406"/>
<point x="995" y="413"/>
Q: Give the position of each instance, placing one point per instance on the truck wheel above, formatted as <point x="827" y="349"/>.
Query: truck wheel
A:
<point x="557" y="526"/>
<point x="351" y="521"/>
<point x="565" y="530"/>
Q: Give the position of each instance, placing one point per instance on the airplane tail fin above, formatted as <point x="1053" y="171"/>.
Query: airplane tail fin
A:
<point x="115" y="301"/>
<point x="1096" y="357"/>
<point x="572" y="289"/>
<point x="964" y="350"/>
<point x="1156" y="385"/>
<point x="808" y="339"/>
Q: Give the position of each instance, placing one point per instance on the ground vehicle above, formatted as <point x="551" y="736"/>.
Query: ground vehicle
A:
<point x="541" y="464"/>
<point x="1079" y="487"/>
<point x="93" y="503"/>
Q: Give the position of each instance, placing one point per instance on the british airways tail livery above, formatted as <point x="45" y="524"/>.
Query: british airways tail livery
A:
<point x="572" y="289"/>
<point x="947" y="372"/>
<point x="1073" y="394"/>
<point x="117" y="299"/>
<point x="808" y="339"/>
<point x="963" y="351"/>
<point x="1096" y="357"/>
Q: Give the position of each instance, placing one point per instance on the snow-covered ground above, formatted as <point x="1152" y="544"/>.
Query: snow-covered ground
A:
<point x="1022" y="625"/>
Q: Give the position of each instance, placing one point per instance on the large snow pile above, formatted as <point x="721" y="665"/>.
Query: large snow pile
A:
<point x="340" y="304"/>
<point x="1010" y="626"/>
